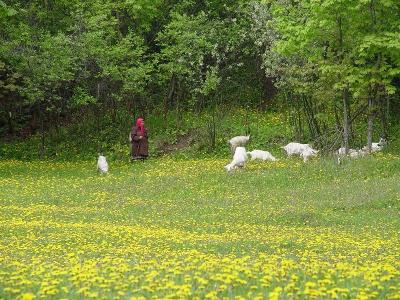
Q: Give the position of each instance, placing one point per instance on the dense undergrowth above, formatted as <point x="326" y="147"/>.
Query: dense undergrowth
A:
<point x="189" y="134"/>
<point x="185" y="134"/>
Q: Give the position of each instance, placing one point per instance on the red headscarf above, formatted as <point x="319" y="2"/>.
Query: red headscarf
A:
<point x="140" y="125"/>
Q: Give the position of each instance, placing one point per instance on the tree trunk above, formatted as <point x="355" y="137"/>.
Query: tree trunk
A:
<point x="214" y="136"/>
<point x="178" y="106"/>
<point x="371" y="116"/>
<point x="42" y="144"/>
<point x="10" y="124"/>
<point x="345" y="92"/>
<point x="42" y="140"/>
<point x="98" y="119"/>
<point x="168" y="97"/>
<point x="385" y="106"/>
<point x="114" y="109"/>
<point x="131" y="105"/>
<point x="346" y="119"/>
<point x="268" y="89"/>
<point x="337" y="119"/>
<point x="312" y="121"/>
<point x="300" y="130"/>
<point x="269" y="92"/>
<point x="292" y="114"/>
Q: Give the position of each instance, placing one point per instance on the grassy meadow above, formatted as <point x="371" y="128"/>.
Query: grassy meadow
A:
<point x="185" y="229"/>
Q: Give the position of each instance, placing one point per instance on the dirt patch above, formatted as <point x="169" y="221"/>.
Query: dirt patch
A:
<point x="184" y="141"/>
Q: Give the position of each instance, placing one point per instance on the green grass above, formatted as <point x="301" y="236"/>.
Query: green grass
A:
<point x="184" y="228"/>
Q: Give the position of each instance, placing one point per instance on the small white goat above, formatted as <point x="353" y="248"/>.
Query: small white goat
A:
<point x="239" y="159"/>
<point x="296" y="148"/>
<point x="383" y="142"/>
<point x="353" y="153"/>
<point x="358" y="153"/>
<point x="260" y="154"/>
<point x="102" y="165"/>
<point x="308" y="153"/>
<point x="342" y="151"/>
<point x="375" y="147"/>
<point x="238" y="141"/>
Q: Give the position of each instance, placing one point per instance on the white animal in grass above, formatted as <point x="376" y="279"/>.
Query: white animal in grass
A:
<point x="375" y="147"/>
<point x="239" y="159"/>
<point x="353" y="153"/>
<point x="260" y="154"/>
<point x="357" y="153"/>
<point x="383" y="142"/>
<point x="342" y="151"/>
<point x="295" y="148"/>
<point x="308" y="153"/>
<point x="238" y="141"/>
<point x="102" y="165"/>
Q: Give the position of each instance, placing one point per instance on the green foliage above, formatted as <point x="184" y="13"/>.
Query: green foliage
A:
<point x="62" y="58"/>
<point x="186" y="45"/>
<point x="326" y="48"/>
<point x="91" y="135"/>
<point x="6" y="11"/>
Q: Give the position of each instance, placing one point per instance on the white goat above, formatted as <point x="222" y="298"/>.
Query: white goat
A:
<point x="239" y="159"/>
<point x="260" y="154"/>
<point x="296" y="148"/>
<point x="342" y="151"/>
<point x="383" y="142"/>
<point x="308" y="153"/>
<point x="375" y="147"/>
<point x="358" y="153"/>
<point x="353" y="153"/>
<point x="102" y="165"/>
<point x="238" y="141"/>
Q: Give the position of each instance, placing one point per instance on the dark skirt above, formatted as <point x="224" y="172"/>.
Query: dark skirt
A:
<point x="140" y="149"/>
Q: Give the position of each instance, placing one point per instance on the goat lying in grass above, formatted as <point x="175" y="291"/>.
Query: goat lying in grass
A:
<point x="357" y="153"/>
<point x="375" y="147"/>
<point x="260" y="154"/>
<point x="238" y="141"/>
<point x="353" y="153"/>
<point x="239" y="159"/>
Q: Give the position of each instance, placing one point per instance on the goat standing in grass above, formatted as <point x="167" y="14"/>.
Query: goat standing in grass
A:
<point x="296" y="148"/>
<point x="239" y="159"/>
<point x="308" y="153"/>
<point x="238" y="141"/>
<point x="260" y="154"/>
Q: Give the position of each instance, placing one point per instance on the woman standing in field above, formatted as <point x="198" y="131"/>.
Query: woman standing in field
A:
<point x="140" y="144"/>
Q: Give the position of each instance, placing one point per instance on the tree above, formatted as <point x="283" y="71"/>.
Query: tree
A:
<point x="333" y="37"/>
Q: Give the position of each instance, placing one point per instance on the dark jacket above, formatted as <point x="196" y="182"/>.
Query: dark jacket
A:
<point x="140" y="147"/>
